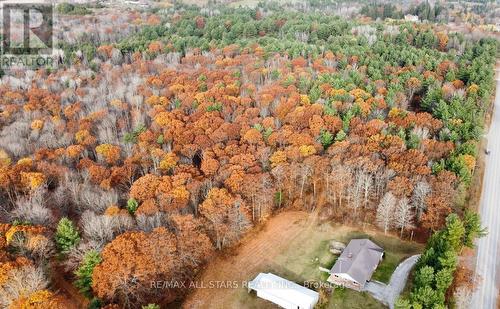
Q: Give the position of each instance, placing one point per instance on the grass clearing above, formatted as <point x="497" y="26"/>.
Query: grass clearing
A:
<point x="347" y="298"/>
<point x="387" y="267"/>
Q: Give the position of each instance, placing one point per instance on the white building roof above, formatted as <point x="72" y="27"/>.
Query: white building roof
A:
<point x="284" y="290"/>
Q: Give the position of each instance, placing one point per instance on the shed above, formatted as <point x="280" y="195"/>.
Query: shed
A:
<point x="282" y="292"/>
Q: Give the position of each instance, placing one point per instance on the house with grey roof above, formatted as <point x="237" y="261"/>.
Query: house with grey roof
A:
<point x="356" y="264"/>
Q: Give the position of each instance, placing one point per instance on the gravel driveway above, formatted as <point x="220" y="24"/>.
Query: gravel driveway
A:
<point x="388" y="293"/>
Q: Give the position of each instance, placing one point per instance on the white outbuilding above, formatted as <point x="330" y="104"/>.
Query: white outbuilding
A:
<point x="282" y="292"/>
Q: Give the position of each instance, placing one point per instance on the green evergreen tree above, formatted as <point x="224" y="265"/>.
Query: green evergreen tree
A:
<point x="424" y="276"/>
<point x="132" y="206"/>
<point x="473" y="229"/>
<point x="447" y="260"/>
<point x="454" y="232"/>
<point x="341" y="135"/>
<point x="326" y="138"/>
<point x="67" y="235"/>
<point x="426" y="296"/>
<point x="444" y="277"/>
<point x="84" y="273"/>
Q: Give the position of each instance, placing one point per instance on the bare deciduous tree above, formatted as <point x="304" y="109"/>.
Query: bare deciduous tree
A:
<point x="403" y="215"/>
<point x="420" y="192"/>
<point x="32" y="209"/>
<point x="385" y="212"/>
<point x="97" y="228"/>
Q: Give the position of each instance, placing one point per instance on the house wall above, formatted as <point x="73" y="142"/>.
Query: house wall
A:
<point x="337" y="280"/>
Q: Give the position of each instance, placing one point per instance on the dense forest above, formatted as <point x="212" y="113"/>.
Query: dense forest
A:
<point x="163" y="136"/>
<point x="424" y="10"/>
<point x="475" y="12"/>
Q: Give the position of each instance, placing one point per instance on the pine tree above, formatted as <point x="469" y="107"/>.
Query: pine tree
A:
<point x="67" y="235"/>
<point x="132" y="205"/>
<point x="84" y="273"/>
<point x="424" y="276"/>
<point x="473" y="229"/>
<point x="326" y="138"/>
<point x="341" y="135"/>
<point x="454" y="232"/>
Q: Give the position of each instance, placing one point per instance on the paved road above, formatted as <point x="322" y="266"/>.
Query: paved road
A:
<point x="487" y="247"/>
<point x="388" y="294"/>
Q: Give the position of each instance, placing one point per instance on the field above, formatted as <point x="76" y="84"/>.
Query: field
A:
<point x="292" y="245"/>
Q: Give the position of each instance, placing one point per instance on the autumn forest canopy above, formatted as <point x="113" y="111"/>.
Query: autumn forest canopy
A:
<point x="163" y="136"/>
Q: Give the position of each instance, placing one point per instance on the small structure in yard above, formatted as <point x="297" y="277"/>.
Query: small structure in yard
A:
<point x="356" y="264"/>
<point x="282" y="292"/>
<point x="336" y="247"/>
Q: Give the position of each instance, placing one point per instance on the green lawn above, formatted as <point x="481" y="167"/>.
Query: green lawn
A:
<point x="387" y="267"/>
<point x="347" y="298"/>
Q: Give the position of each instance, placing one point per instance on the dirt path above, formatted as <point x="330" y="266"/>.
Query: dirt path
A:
<point x="75" y="299"/>
<point x="264" y="244"/>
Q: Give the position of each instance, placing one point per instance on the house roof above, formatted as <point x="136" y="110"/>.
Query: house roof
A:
<point x="283" y="289"/>
<point x="359" y="260"/>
